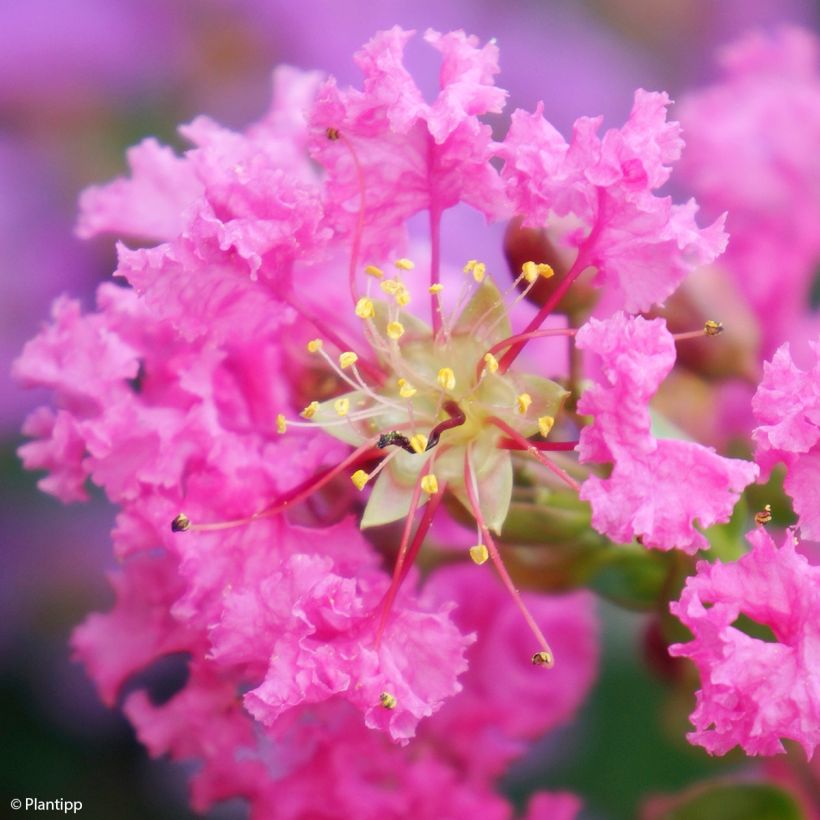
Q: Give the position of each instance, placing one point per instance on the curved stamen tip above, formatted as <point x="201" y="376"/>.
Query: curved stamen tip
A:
<point x="544" y="659"/>
<point x="181" y="523"/>
<point x="387" y="700"/>
<point x="764" y="516"/>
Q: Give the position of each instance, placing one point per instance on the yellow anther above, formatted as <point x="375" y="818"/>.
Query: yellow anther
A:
<point x="523" y="402"/>
<point x="341" y="406"/>
<point x="402" y="296"/>
<point x="764" y="516"/>
<point x="542" y="659"/>
<point x="387" y="700"/>
<point x="181" y="523"/>
<point x="437" y="288"/>
<point x="281" y="424"/>
<point x="490" y="362"/>
<point x="365" y="309"/>
<point x="545" y="424"/>
<point x="314" y="345"/>
<point x="391" y="286"/>
<point x="479" y="554"/>
<point x="429" y="483"/>
<point x="310" y="411"/>
<point x="347" y="359"/>
<point x="531" y="271"/>
<point x="713" y="328"/>
<point x="404" y="264"/>
<point x="359" y="478"/>
<point x="372" y="270"/>
<point x="406" y="390"/>
<point x="446" y="378"/>
<point x="418" y="442"/>
<point x="478" y="269"/>
<point x="395" y="330"/>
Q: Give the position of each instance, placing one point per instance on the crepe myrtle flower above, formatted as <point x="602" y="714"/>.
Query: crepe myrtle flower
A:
<point x="232" y="381"/>
<point x="430" y="397"/>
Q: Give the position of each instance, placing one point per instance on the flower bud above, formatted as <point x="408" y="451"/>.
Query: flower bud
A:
<point x="539" y="245"/>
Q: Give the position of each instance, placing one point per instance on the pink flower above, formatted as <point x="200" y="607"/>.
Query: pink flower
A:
<point x="641" y="244"/>
<point x="752" y="150"/>
<point x="755" y="692"/>
<point x="787" y="409"/>
<point x="657" y="488"/>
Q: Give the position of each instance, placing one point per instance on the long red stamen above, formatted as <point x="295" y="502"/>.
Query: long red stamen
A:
<point x="581" y="263"/>
<point x="472" y="494"/>
<point x="534" y="451"/>
<point x="334" y="338"/>
<point x="554" y="446"/>
<point x="390" y="595"/>
<point x="366" y="452"/>
<point x="569" y="332"/>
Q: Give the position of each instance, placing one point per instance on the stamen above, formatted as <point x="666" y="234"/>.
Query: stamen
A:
<point x="395" y="330"/>
<point x="437" y="288"/>
<point x="181" y="523"/>
<point x="557" y="446"/>
<point x="347" y="359"/>
<point x="471" y="485"/>
<point x="314" y="345"/>
<point x="406" y="390"/>
<point x="533" y="451"/>
<point x="375" y="272"/>
<point x="545" y="425"/>
<point x="446" y="379"/>
<point x="520" y="338"/>
<point x="293" y="496"/>
<point x="404" y="264"/>
<point x="281" y="424"/>
<point x="418" y="442"/>
<point x="429" y="483"/>
<point x="342" y="406"/>
<point x="479" y="554"/>
<point x="764" y="516"/>
<point x="490" y="362"/>
<point x="310" y="411"/>
<point x="387" y="700"/>
<point x="478" y="269"/>
<point x="365" y="308"/>
<point x="359" y="479"/>
<point x="531" y="271"/>
<point x="710" y="328"/>
<point x="578" y="267"/>
<point x="713" y="328"/>
<point x="523" y="402"/>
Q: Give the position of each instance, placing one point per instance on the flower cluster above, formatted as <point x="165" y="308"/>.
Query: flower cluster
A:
<point x="270" y="382"/>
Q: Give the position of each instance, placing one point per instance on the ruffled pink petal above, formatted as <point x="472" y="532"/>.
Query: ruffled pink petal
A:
<point x="641" y="244"/>
<point x="149" y="205"/>
<point x="754" y="692"/>
<point x="657" y="489"/>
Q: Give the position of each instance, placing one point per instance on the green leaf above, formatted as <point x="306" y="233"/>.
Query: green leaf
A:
<point x="735" y="801"/>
